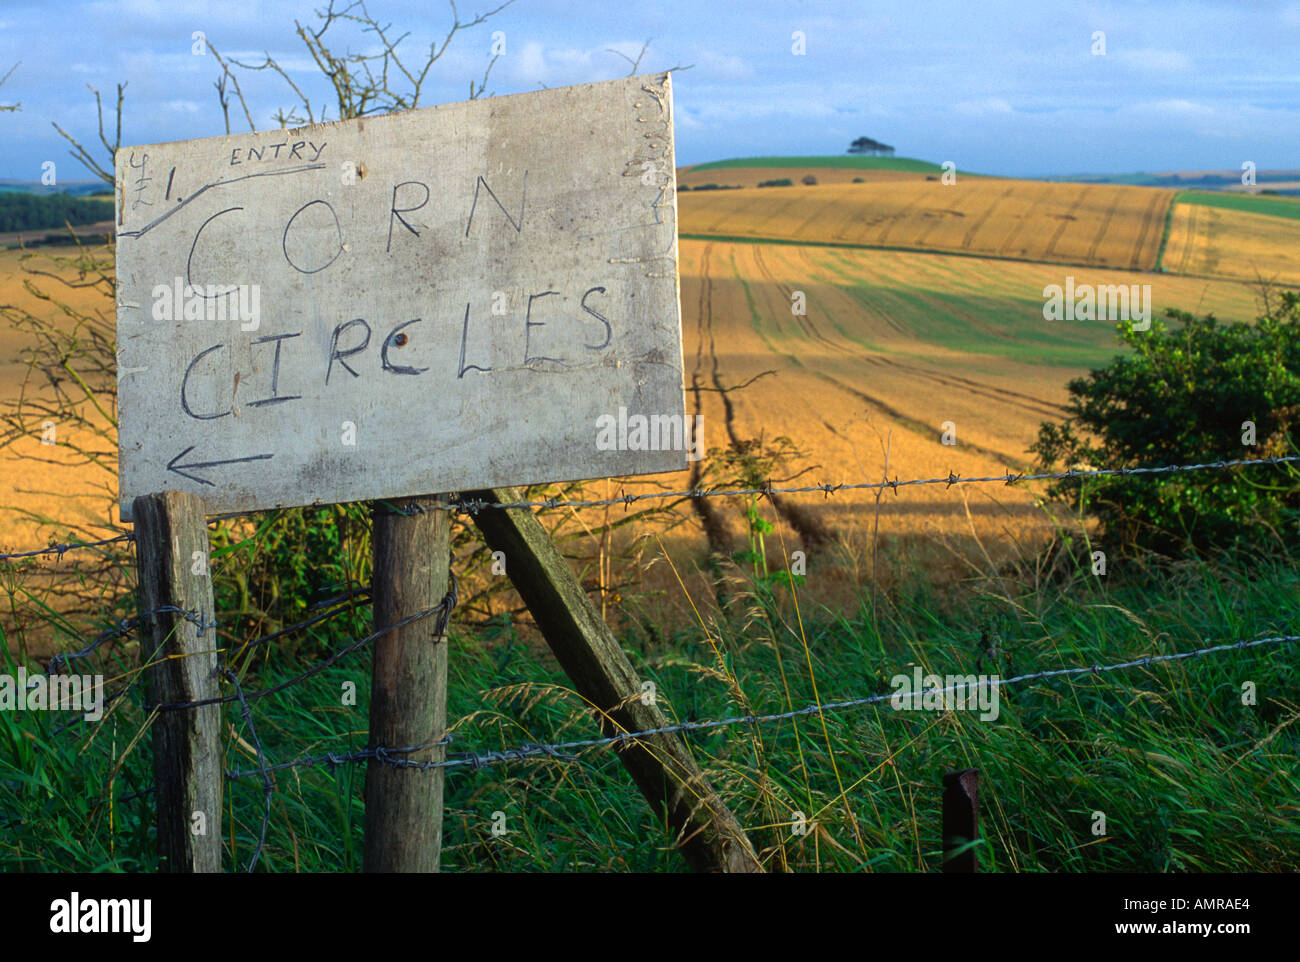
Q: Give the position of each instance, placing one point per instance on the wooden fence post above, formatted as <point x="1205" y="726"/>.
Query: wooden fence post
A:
<point x="710" y="836"/>
<point x="179" y="656"/>
<point x="961" y="807"/>
<point x="408" y="692"/>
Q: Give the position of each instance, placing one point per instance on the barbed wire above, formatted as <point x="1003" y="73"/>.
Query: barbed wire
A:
<point x="568" y="751"/>
<point x="125" y="626"/>
<point x="313" y="670"/>
<point x="326" y="615"/>
<point x="63" y="548"/>
<point x="268" y="787"/>
<point x="442" y="610"/>
<point x="475" y="505"/>
<point x="190" y="615"/>
<point x="564" y="750"/>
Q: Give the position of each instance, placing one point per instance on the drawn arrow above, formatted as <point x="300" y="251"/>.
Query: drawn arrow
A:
<point x="182" y="468"/>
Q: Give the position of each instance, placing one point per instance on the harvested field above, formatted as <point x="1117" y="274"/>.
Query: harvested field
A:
<point x="1101" y="225"/>
<point x="1220" y="242"/>
<point x="42" y="481"/>
<point x="893" y="345"/>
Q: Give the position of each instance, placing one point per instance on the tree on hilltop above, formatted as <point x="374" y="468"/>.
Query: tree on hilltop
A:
<point x="866" y="145"/>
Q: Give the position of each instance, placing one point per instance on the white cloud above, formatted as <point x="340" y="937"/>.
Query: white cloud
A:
<point x="1152" y="59"/>
<point x="683" y="118"/>
<point x="528" y="66"/>
<point x="1176" y="106"/>
<point x="715" y="66"/>
<point x="777" y="104"/>
<point x="987" y="107"/>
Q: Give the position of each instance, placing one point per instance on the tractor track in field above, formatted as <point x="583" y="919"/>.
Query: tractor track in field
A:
<point x="1015" y="399"/>
<point x="1066" y="219"/>
<point x="1005" y="250"/>
<point x="803" y="320"/>
<point x="983" y="218"/>
<point x="715" y="530"/>
<point x="773" y="214"/>
<point x="857" y="293"/>
<point x="1190" y="237"/>
<point x="811" y="530"/>
<point x="923" y="430"/>
<point x="1024" y="402"/>
<point x="1152" y="216"/>
<point x="898" y="218"/>
<point x="1091" y="256"/>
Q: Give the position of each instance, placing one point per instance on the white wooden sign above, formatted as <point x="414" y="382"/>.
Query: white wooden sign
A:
<point x="478" y="294"/>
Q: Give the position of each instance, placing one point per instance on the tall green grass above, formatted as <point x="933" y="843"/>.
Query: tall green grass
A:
<point x="1187" y="777"/>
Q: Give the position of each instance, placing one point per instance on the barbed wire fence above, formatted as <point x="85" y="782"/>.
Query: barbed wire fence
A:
<point x="573" y="750"/>
<point x="473" y="506"/>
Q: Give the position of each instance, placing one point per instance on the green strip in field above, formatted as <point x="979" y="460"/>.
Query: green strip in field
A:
<point x="1004" y="325"/>
<point x="1249" y="203"/>
<point x="907" y="164"/>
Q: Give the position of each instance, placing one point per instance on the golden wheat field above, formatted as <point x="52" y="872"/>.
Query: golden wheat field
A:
<point x="893" y="345"/>
<point x="41" y="481"/>
<point x="1218" y="242"/>
<point x="1101" y="225"/>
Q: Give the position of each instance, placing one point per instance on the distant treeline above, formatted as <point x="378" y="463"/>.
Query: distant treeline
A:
<point x="22" y="211"/>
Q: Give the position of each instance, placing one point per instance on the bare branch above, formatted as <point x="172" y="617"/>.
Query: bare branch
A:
<point x="10" y="107"/>
<point x="226" y="73"/>
<point x="474" y="94"/>
<point x="636" y="64"/>
<point x="82" y="155"/>
<point x="363" y="83"/>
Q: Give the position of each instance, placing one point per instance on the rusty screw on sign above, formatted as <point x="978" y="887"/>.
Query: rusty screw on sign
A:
<point x="400" y="340"/>
<point x="961" y="807"/>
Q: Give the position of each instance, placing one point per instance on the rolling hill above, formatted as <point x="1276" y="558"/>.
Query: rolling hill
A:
<point x="1101" y="225"/>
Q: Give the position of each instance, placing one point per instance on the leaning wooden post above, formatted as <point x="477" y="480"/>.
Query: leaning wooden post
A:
<point x="709" y="835"/>
<point x="408" y="692"/>
<point x="961" y="807"/>
<point x="179" y="655"/>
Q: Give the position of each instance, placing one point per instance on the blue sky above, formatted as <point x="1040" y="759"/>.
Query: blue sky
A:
<point x="1010" y="87"/>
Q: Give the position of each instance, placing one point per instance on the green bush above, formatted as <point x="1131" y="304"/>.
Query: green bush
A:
<point x="1184" y="396"/>
<point x="781" y="182"/>
<point x="269" y="578"/>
